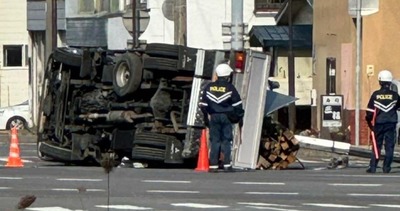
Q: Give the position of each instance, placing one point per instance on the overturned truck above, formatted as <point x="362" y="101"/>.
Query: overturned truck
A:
<point x="142" y="104"/>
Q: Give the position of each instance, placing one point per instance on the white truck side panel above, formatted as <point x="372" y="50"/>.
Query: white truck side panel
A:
<point x="247" y="141"/>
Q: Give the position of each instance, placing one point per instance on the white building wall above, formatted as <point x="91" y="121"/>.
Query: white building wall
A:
<point x="14" y="82"/>
<point x="204" y="22"/>
<point x="205" y="18"/>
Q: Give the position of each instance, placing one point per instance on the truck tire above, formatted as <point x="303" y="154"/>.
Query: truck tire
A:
<point x="67" y="56"/>
<point x="148" y="153"/>
<point x="127" y="74"/>
<point x="151" y="139"/>
<point x="162" y="50"/>
<point x="157" y="63"/>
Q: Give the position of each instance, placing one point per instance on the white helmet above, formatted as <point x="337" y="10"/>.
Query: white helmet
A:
<point x="385" y="76"/>
<point x="223" y="70"/>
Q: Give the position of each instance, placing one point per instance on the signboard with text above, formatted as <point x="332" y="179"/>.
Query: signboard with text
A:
<point x="332" y="110"/>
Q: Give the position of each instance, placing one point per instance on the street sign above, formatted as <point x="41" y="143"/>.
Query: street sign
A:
<point x="332" y="110"/>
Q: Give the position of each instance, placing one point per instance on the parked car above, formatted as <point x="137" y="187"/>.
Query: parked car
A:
<point x="16" y="116"/>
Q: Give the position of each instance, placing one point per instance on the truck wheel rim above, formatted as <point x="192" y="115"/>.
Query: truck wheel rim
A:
<point x="122" y="75"/>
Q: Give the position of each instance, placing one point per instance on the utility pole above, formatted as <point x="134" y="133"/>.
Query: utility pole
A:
<point x="291" y="73"/>
<point x="51" y="27"/>
<point x="180" y="22"/>
<point x="237" y="27"/>
<point x="358" y="52"/>
<point x="50" y="45"/>
<point x="134" y="25"/>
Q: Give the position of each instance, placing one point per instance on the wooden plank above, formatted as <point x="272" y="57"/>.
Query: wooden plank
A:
<point x="284" y="145"/>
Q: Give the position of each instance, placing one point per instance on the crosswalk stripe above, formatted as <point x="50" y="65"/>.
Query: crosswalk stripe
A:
<point x="334" y="205"/>
<point x="5" y="159"/>
<point x="386" y="205"/>
<point x="5" y="188"/>
<point x="197" y="205"/>
<point x="270" y="193"/>
<point x="259" y="183"/>
<point x="374" y="195"/>
<point x="77" y="190"/>
<point x="11" y="178"/>
<point x="171" y="191"/>
<point x="49" y="209"/>
<point x="166" y="181"/>
<point x="355" y="184"/>
<point x="79" y="179"/>
<point x="123" y="207"/>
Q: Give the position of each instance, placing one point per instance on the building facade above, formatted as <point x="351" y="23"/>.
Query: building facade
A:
<point x="14" y="71"/>
<point x="379" y="50"/>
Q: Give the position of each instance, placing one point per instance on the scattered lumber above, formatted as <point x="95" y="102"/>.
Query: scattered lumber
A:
<point x="278" y="148"/>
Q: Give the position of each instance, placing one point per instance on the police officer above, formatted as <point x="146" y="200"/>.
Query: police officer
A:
<point x="221" y="102"/>
<point x="382" y="118"/>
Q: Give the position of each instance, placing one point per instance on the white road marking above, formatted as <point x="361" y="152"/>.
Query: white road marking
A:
<point x="76" y="190"/>
<point x="50" y="209"/>
<point x="28" y="144"/>
<point x="265" y="204"/>
<point x="79" y="180"/>
<point x="166" y="181"/>
<point x="272" y="208"/>
<point x="259" y="183"/>
<point x="270" y="193"/>
<point x="336" y="205"/>
<point x="361" y="175"/>
<point x="319" y="169"/>
<point x="123" y="207"/>
<point x="171" y="191"/>
<point x="196" y="205"/>
<point x="310" y="161"/>
<point x="355" y="185"/>
<point x="5" y="159"/>
<point x="386" y="205"/>
<point x="5" y="188"/>
<point x="374" y="194"/>
<point x="11" y="178"/>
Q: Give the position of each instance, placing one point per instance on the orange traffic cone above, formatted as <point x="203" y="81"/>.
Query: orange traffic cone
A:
<point x="14" y="159"/>
<point x="202" y="162"/>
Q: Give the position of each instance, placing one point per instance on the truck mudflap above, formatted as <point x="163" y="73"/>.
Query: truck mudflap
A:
<point x="57" y="153"/>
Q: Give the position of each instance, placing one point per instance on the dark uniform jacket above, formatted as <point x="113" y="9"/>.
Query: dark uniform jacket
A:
<point x="385" y="103"/>
<point x="221" y="97"/>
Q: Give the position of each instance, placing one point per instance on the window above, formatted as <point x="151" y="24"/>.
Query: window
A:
<point x="267" y="5"/>
<point x="12" y="55"/>
<point x="86" y="6"/>
<point x="114" y="5"/>
<point x="98" y="6"/>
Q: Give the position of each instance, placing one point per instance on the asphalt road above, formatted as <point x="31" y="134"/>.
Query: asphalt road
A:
<point x="62" y="188"/>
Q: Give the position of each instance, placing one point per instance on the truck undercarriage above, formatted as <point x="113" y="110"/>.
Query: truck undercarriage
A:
<point x="133" y="103"/>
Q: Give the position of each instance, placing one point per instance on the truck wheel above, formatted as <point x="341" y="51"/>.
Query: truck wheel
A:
<point x="151" y="139"/>
<point x="67" y="56"/>
<point x="127" y="74"/>
<point x="157" y="63"/>
<point x="162" y="50"/>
